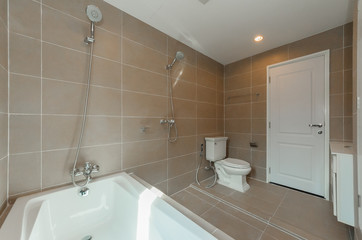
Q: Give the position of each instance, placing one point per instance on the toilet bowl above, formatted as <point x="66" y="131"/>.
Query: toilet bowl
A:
<point x="231" y="172"/>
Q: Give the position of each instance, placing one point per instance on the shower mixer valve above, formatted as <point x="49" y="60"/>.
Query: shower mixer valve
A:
<point x="87" y="170"/>
<point x="170" y="122"/>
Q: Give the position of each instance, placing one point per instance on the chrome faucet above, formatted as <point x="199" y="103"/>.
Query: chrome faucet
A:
<point x="87" y="170"/>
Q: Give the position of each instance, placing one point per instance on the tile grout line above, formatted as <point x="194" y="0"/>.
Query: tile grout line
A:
<point x="248" y="213"/>
<point x="8" y="73"/>
<point x="41" y="96"/>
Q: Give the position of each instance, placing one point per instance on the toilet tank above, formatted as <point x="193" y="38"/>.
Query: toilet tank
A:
<point x="215" y="148"/>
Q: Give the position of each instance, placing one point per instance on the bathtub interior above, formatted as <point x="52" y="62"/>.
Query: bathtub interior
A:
<point x="116" y="208"/>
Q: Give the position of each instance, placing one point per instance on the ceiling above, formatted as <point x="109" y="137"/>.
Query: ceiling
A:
<point x="224" y="29"/>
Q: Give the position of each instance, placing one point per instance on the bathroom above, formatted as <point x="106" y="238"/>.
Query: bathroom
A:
<point x="43" y="80"/>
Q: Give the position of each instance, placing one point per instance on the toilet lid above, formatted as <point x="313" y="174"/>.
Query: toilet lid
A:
<point x="236" y="163"/>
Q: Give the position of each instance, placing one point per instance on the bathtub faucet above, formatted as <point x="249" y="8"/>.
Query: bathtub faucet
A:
<point x="87" y="170"/>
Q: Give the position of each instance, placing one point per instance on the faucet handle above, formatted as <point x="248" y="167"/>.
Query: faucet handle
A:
<point x="76" y="172"/>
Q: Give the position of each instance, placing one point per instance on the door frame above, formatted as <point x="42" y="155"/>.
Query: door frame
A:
<point x="326" y="55"/>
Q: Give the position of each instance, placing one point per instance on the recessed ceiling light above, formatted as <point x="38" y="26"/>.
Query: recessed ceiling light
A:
<point x="258" y="38"/>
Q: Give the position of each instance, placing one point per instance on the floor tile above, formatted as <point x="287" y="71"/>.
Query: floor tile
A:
<point x="192" y="202"/>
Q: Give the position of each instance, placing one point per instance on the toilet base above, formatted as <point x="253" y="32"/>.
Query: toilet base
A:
<point x="235" y="182"/>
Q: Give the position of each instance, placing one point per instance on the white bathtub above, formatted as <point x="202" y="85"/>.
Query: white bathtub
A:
<point x="117" y="207"/>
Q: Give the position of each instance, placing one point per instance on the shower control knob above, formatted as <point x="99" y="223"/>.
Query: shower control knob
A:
<point x="320" y="132"/>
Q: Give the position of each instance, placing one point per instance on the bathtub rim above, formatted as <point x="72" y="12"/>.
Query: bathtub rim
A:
<point x="17" y="209"/>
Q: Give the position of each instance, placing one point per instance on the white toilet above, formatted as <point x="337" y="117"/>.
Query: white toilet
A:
<point x="231" y="172"/>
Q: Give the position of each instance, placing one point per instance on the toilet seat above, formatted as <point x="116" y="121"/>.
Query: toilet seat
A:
<point x="235" y="163"/>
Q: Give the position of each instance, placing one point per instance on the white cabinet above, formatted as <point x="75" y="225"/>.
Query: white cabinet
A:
<point x="342" y="182"/>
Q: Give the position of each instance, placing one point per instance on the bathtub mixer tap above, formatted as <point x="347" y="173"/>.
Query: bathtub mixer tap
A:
<point x="87" y="170"/>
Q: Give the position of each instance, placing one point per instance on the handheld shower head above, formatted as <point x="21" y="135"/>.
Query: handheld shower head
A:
<point x="93" y="13"/>
<point x="95" y="16"/>
<point x="179" y="56"/>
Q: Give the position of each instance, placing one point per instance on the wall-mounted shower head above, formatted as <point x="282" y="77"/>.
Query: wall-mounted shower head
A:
<point x="95" y="16"/>
<point x="179" y="56"/>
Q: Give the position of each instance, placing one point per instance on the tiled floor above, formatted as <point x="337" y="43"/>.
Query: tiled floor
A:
<point x="265" y="212"/>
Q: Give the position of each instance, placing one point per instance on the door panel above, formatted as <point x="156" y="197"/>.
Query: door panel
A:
<point x="296" y="100"/>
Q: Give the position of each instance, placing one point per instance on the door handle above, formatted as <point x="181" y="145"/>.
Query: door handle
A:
<point x="319" y="125"/>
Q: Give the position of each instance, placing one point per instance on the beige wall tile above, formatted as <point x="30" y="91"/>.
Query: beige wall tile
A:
<point x="258" y="93"/>
<point x="258" y="126"/>
<point x="240" y="153"/>
<point x="135" y="104"/>
<point x="348" y="34"/>
<point x="258" y="77"/>
<point x="262" y="60"/>
<point x="209" y="64"/>
<point x="347" y="54"/>
<point x="181" y="165"/>
<point x="206" y="126"/>
<point x="205" y="110"/>
<point x="220" y="98"/>
<point x="238" y="111"/>
<point x="336" y="105"/>
<point x="259" y="110"/>
<point x="174" y="46"/>
<point x="184" y="108"/>
<point x="347" y="81"/>
<point x="26" y="24"/>
<point x="24" y="55"/>
<point x="238" y="67"/>
<point x="238" y="125"/>
<point x="239" y="140"/>
<point x="132" y="129"/>
<point x="139" y="80"/>
<point x="317" y="43"/>
<point x="220" y="112"/>
<point x="347" y="109"/>
<point x="3" y="90"/>
<point x="258" y="173"/>
<point x="102" y="130"/>
<point x="104" y="101"/>
<point x="152" y="173"/>
<point x="70" y="31"/>
<point x="238" y="96"/>
<point x="347" y="129"/>
<point x="184" y="90"/>
<point x="60" y="131"/>
<point x="260" y="141"/>
<point x="143" y="33"/>
<point x="3" y="135"/>
<point x="336" y="82"/>
<point x="3" y="45"/>
<point x="206" y="79"/>
<point x="63" y="161"/>
<point x="205" y="94"/>
<point x="63" y="97"/>
<point x="186" y="127"/>
<point x="106" y="73"/>
<point x="220" y="83"/>
<point x="145" y="152"/>
<point x="140" y="56"/>
<point x="336" y="128"/>
<point x="258" y="158"/>
<point x="180" y="182"/>
<point x="336" y="60"/>
<point x="183" y="71"/>
<point x="3" y="179"/>
<point x="64" y="64"/>
<point x="24" y="173"/>
<point x="24" y="133"/>
<point x="238" y="81"/>
<point x="25" y="94"/>
<point x="183" y="146"/>
<point x="108" y="45"/>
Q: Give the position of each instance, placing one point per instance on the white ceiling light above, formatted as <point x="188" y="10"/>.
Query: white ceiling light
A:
<point x="258" y="38"/>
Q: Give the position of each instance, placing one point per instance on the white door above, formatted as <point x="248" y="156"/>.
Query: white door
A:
<point x="296" y="135"/>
